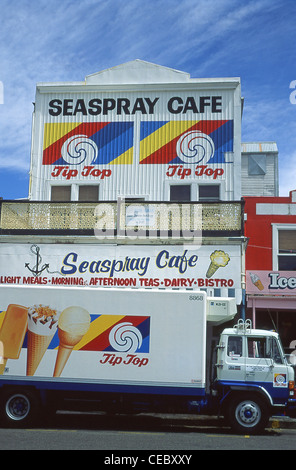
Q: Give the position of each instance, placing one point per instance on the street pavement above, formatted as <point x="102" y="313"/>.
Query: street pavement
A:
<point x="276" y="422"/>
<point x="191" y="420"/>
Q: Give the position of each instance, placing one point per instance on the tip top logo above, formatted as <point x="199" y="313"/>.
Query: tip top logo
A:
<point x="125" y="337"/>
<point x="126" y="340"/>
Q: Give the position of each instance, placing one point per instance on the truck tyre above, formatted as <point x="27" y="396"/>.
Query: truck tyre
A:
<point x="248" y="414"/>
<point x="18" y="408"/>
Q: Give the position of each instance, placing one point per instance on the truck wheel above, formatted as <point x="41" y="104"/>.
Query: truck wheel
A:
<point x="248" y="414"/>
<point x="18" y="408"/>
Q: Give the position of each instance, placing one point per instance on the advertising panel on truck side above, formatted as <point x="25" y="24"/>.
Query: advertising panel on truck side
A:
<point x="127" y="337"/>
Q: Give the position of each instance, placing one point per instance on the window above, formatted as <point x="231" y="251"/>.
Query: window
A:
<point x="209" y="192"/>
<point x="235" y="346"/>
<point x="180" y="192"/>
<point x="88" y="193"/>
<point x="257" y="165"/>
<point x="264" y="347"/>
<point x="287" y="250"/>
<point x="61" y="193"/>
<point x="284" y="247"/>
<point x="257" y="348"/>
<point x="129" y="199"/>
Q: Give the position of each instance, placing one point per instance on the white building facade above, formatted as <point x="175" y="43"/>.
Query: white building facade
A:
<point x="140" y="131"/>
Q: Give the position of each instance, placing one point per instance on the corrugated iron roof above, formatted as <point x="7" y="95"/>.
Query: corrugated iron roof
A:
<point x="258" y="147"/>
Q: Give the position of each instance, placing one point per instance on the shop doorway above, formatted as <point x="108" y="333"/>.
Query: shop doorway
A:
<point x="282" y="321"/>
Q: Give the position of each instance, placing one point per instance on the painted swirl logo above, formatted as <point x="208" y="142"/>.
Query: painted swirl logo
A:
<point x="125" y="337"/>
<point x="126" y="342"/>
<point x="195" y="146"/>
<point x="79" y="149"/>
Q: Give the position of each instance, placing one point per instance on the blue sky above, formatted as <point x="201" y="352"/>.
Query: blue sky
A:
<point x="54" y="40"/>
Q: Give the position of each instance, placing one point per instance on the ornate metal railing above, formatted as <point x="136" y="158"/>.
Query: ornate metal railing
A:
<point x="122" y="217"/>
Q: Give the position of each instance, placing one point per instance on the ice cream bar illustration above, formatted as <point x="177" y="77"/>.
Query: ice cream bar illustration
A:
<point x="42" y="325"/>
<point x="12" y="333"/>
<point x="73" y="324"/>
<point x="256" y="281"/>
<point x="218" y="259"/>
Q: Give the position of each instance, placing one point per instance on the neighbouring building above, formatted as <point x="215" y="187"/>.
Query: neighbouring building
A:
<point x="270" y="227"/>
<point x="260" y="169"/>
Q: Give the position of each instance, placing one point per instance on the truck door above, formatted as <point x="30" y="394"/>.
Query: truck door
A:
<point x="235" y="359"/>
<point x="265" y="362"/>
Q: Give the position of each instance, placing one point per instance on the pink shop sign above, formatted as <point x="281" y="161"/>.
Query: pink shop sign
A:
<point x="271" y="282"/>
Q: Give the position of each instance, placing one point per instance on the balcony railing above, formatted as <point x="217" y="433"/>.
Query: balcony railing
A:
<point x="122" y="218"/>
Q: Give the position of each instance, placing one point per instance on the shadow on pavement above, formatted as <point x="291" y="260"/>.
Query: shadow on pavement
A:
<point x="140" y="423"/>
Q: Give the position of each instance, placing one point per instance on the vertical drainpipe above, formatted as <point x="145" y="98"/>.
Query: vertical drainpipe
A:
<point x="243" y="309"/>
<point x="243" y="282"/>
<point x="243" y="265"/>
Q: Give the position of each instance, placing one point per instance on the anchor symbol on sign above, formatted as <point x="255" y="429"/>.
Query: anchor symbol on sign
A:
<point x="35" y="270"/>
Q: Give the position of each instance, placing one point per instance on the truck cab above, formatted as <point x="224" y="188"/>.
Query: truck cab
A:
<point x="254" y="380"/>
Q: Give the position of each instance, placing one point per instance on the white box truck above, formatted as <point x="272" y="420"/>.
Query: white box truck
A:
<point x="133" y="350"/>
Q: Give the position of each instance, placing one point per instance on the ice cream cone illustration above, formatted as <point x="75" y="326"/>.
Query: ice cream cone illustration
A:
<point x="42" y="325"/>
<point x="73" y="325"/>
<point x="218" y="259"/>
<point x="12" y="333"/>
<point x="37" y="345"/>
<point x="256" y="281"/>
